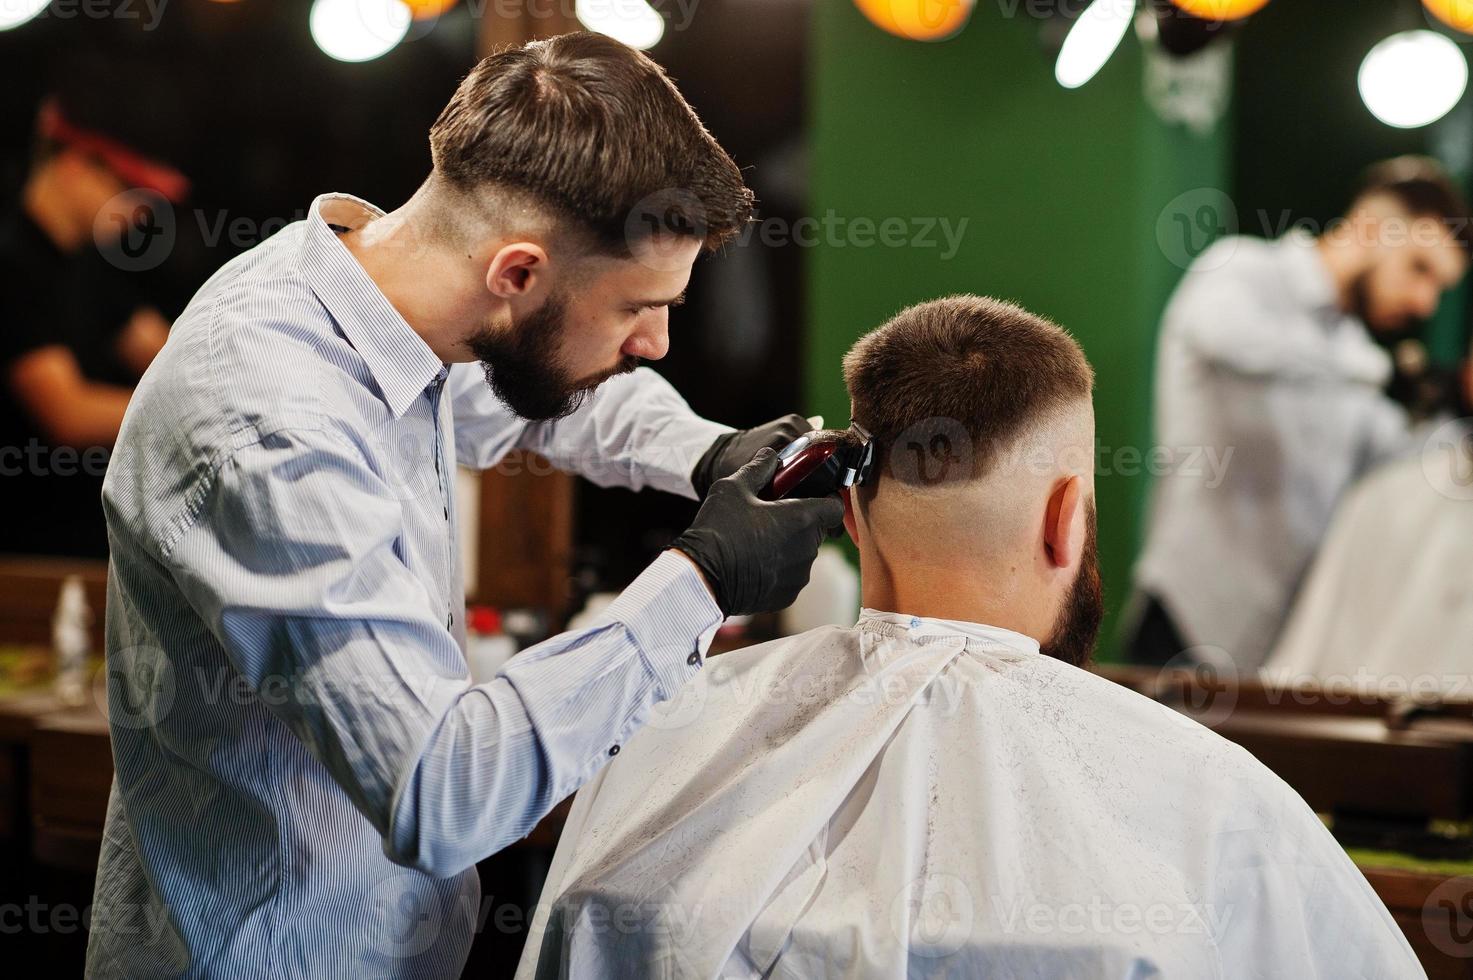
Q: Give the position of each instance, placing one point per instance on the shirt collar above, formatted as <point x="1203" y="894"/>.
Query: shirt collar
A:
<point x="401" y="363"/>
<point x="1308" y="278"/>
<point x="917" y="627"/>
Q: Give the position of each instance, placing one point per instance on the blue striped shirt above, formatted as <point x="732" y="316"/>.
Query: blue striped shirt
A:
<point x="305" y="776"/>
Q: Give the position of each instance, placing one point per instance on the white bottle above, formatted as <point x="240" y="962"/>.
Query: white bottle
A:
<point x="831" y="597"/>
<point x="72" y="641"/>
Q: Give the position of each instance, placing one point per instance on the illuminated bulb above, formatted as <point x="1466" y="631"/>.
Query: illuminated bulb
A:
<point x="427" y="9"/>
<point x="632" y="22"/>
<point x="1413" y="78"/>
<point x="14" y="13"/>
<point x="917" y="20"/>
<point x="358" y="30"/>
<point x="1092" y="40"/>
<point x="1221" y="9"/>
<point x="1457" y="14"/>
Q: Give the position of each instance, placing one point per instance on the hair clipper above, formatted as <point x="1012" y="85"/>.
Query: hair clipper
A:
<point x="822" y="462"/>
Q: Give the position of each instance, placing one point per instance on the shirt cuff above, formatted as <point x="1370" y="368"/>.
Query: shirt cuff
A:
<point x="672" y="617"/>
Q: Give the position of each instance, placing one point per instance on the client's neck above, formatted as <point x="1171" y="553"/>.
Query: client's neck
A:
<point x="988" y="596"/>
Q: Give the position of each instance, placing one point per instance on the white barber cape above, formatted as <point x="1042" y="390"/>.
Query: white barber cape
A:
<point x="923" y="798"/>
<point x="1388" y="605"/>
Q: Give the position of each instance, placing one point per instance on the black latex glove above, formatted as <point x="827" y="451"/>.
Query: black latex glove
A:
<point x="733" y="449"/>
<point x="756" y="554"/>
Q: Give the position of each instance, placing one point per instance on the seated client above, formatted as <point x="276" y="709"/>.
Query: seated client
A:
<point x="943" y="790"/>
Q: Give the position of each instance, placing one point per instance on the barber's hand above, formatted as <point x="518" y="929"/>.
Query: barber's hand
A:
<point x="756" y="554"/>
<point x="732" y="449"/>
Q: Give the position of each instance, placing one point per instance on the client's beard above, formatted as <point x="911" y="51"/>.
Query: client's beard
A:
<point x="526" y="369"/>
<point x="1078" y="625"/>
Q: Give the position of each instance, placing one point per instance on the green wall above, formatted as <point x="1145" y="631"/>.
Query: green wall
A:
<point x="1062" y="192"/>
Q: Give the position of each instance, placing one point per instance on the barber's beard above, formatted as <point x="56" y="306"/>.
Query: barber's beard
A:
<point x="1359" y="297"/>
<point x="526" y="365"/>
<point x="1361" y="308"/>
<point x="1073" y="637"/>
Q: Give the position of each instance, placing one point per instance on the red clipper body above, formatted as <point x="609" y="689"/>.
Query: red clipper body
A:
<point x="822" y="462"/>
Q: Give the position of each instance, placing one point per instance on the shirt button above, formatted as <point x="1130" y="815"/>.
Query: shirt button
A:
<point x="614" y="750"/>
<point x="915" y="621"/>
<point x="694" y="658"/>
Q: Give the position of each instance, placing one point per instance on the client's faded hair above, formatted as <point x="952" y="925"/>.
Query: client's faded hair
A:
<point x="947" y="386"/>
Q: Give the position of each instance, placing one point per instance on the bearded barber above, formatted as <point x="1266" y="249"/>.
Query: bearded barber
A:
<point x="282" y="531"/>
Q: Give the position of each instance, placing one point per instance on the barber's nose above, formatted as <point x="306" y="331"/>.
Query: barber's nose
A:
<point x="652" y="340"/>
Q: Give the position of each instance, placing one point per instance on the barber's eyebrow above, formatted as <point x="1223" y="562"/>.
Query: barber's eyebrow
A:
<point x="664" y="302"/>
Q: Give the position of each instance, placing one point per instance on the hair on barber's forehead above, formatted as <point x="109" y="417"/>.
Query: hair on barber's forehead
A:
<point x="595" y="132"/>
<point x="947" y="385"/>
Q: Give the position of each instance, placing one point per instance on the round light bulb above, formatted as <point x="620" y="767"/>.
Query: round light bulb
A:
<point x="1413" y="78"/>
<point x="358" y="30"/>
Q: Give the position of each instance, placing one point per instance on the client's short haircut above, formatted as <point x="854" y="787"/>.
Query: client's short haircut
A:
<point x="949" y="385"/>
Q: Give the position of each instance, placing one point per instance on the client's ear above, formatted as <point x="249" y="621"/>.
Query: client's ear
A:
<point x="1063" y="532"/>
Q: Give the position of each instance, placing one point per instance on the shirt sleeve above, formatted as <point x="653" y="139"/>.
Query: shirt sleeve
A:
<point x="294" y="562"/>
<point x="1220" y="313"/>
<point x="634" y="431"/>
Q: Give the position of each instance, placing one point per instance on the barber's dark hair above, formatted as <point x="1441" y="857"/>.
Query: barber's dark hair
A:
<point x="948" y="385"/>
<point x="1425" y="189"/>
<point x="596" y="132"/>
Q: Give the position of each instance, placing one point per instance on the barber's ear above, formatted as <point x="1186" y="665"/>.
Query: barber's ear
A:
<point x="847" y="494"/>
<point x="515" y="269"/>
<point x="1063" y="532"/>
